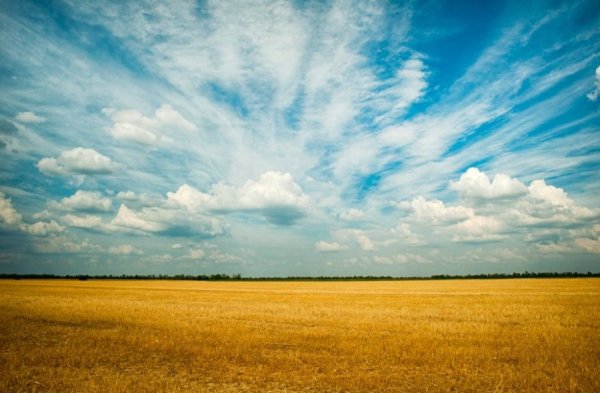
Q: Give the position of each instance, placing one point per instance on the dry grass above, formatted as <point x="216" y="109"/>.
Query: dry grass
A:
<point x="422" y="336"/>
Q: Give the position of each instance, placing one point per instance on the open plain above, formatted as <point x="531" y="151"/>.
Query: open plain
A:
<point x="527" y="335"/>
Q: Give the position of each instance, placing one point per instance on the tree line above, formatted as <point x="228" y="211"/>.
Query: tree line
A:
<point x="238" y="277"/>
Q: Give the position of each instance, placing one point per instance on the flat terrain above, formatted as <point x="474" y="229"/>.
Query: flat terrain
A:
<point x="404" y="336"/>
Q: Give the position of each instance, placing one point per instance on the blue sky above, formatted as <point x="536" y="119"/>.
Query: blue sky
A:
<point x="299" y="138"/>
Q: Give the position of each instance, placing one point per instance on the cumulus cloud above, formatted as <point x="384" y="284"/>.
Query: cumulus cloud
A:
<point x="550" y="194"/>
<point x="8" y="214"/>
<point x="29" y="117"/>
<point x="167" y="221"/>
<point x="129" y="219"/>
<point x="478" y="228"/>
<point x="78" y="161"/>
<point x="533" y="210"/>
<point x="196" y="254"/>
<point x="476" y="184"/>
<point x="590" y="245"/>
<point x="546" y="204"/>
<point x="275" y="195"/>
<point x="399" y="259"/>
<point x="127" y="196"/>
<point x="436" y="212"/>
<point x="323" y="246"/>
<point x="90" y="201"/>
<point x="62" y="244"/>
<point x="125" y="249"/>
<point x="405" y="233"/>
<point x="133" y="126"/>
<point x="593" y="95"/>
<point x="364" y="242"/>
<point x="42" y="228"/>
<point x="87" y="221"/>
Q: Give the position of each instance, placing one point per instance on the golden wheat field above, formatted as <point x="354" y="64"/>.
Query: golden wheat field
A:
<point x="397" y="336"/>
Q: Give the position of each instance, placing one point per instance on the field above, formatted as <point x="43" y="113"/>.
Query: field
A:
<point x="526" y="335"/>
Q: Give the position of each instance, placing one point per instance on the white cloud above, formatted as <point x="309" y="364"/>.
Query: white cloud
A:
<point x="590" y="245"/>
<point x="436" y="212"/>
<point x="63" y="244"/>
<point x="352" y="215"/>
<point x="91" y="201"/>
<point x="127" y="218"/>
<point x="133" y="126"/>
<point x="167" y="220"/>
<point x="323" y="246"/>
<point x="132" y="198"/>
<point x="593" y="95"/>
<point x="85" y="222"/>
<point x="553" y="195"/>
<point x="132" y="133"/>
<point x="8" y="214"/>
<point x="191" y="199"/>
<point x="125" y="249"/>
<point x="478" y="228"/>
<point x="399" y="259"/>
<point x="42" y="228"/>
<point x="29" y="117"/>
<point x="408" y="237"/>
<point x="476" y="184"/>
<point x="592" y="242"/>
<point x="128" y="196"/>
<point x="275" y="195"/>
<point x="546" y="204"/>
<point x="78" y="161"/>
<point x="196" y="253"/>
<point x="364" y="242"/>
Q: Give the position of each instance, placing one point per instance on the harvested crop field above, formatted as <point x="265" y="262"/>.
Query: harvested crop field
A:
<point x="528" y="335"/>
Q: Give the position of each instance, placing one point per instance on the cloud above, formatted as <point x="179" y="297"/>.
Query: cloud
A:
<point x="351" y="215"/>
<point x="196" y="254"/>
<point x="62" y="244"/>
<point x="29" y="117"/>
<point x="546" y="205"/>
<point x="408" y="237"/>
<point x="590" y="245"/>
<point x="168" y="221"/>
<point x="8" y="214"/>
<point x="84" y="222"/>
<point x="436" y="212"/>
<point x="364" y="242"/>
<point x="78" y="161"/>
<point x="127" y="218"/>
<point x="478" y="228"/>
<point x="43" y="228"/>
<point x="128" y="196"/>
<point x="399" y="259"/>
<point x="535" y="207"/>
<point x="323" y="246"/>
<point x="593" y="95"/>
<point x="554" y="196"/>
<point x="476" y="184"/>
<point x="90" y="201"/>
<point x="133" y="126"/>
<point x="125" y="249"/>
<point x="274" y="195"/>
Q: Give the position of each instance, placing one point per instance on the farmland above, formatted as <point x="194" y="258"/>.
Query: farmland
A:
<point x="385" y="336"/>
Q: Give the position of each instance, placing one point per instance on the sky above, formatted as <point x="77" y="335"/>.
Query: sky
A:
<point x="278" y="138"/>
